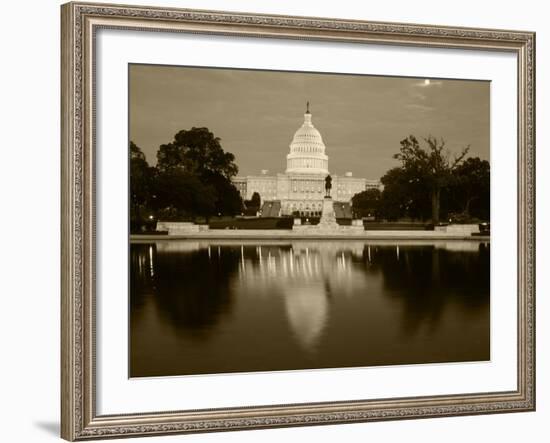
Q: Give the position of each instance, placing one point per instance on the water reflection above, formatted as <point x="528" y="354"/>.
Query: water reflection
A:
<point x="204" y="307"/>
<point x="197" y="305"/>
<point x="427" y="279"/>
<point x="304" y="275"/>
<point x="307" y="311"/>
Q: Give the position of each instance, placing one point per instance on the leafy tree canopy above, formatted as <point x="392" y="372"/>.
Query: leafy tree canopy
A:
<point x="197" y="151"/>
<point x="141" y="177"/>
<point x="405" y="195"/>
<point x="256" y="200"/>
<point x="471" y="191"/>
<point x="183" y="193"/>
<point x="254" y="203"/>
<point x="366" y="203"/>
<point x="196" y="159"/>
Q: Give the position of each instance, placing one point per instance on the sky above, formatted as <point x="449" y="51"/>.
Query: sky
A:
<point x="361" y="118"/>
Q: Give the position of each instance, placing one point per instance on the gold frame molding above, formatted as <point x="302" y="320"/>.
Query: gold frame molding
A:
<point x="79" y="22"/>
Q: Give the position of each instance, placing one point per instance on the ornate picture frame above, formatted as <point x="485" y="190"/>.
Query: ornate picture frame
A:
<point x="80" y="22"/>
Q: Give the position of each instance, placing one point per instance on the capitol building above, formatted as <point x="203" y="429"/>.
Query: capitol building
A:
<point x="301" y="188"/>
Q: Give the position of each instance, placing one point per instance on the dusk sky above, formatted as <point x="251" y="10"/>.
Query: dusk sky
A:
<point x="256" y="113"/>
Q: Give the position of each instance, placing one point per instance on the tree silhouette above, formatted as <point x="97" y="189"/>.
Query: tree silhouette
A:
<point x="431" y="165"/>
<point x="141" y="179"/>
<point x="197" y="151"/>
<point x="366" y="203"/>
<point x="196" y="160"/>
<point x="472" y="189"/>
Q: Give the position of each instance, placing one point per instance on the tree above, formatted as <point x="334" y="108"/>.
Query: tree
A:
<point x="197" y="151"/>
<point x="228" y="199"/>
<point x="181" y="194"/>
<point x="431" y="165"/>
<point x="404" y="195"/>
<point x="198" y="154"/>
<point x="253" y="205"/>
<point x="366" y="203"/>
<point x="395" y="198"/>
<point x="256" y="200"/>
<point x="471" y="191"/>
<point x="141" y="177"/>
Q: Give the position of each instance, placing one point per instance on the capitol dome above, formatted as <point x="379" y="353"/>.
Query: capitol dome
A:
<point x="307" y="150"/>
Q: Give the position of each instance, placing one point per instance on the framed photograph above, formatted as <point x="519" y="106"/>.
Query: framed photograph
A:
<point x="282" y="221"/>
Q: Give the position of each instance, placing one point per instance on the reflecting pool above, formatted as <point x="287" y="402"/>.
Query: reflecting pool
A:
<point x="202" y="307"/>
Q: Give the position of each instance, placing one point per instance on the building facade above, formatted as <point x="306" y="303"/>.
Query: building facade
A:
<point x="301" y="188"/>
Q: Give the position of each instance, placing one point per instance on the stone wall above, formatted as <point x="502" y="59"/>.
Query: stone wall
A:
<point x="179" y="228"/>
<point x="458" y="229"/>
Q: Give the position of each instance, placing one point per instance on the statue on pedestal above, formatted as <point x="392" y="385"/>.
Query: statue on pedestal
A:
<point x="328" y="186"/>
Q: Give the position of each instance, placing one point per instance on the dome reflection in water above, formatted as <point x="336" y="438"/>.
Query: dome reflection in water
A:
<point x="201" y="307"/>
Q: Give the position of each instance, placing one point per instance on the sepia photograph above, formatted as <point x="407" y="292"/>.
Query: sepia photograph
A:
<point x="286" y="220"/>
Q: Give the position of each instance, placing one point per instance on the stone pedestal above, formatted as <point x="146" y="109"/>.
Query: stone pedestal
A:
<point x="328" y="224"/>
<point x="328" y="217"/>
